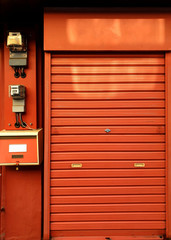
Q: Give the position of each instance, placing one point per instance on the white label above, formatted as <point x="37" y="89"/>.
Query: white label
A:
<point x="17" y="148"/>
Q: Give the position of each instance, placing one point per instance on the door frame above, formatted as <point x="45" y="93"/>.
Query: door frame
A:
<point x="168" y="141"/>
<point x="47" y="132"/>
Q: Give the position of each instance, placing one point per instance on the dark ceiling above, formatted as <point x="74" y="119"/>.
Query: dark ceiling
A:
<point x="31" y="10"/>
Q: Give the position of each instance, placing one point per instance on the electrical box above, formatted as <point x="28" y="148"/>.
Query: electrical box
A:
<point x="17" y="92"/>
<point x="17" y="44"/>
<point x="21" y="147"/>
<point x="21" y="79"/>
<point x="14" y="39"/>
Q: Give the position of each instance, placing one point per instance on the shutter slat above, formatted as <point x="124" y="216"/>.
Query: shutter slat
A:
<point x="107" y="183"/>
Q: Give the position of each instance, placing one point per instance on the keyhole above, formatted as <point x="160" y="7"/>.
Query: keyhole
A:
<point x="107" y="130"/>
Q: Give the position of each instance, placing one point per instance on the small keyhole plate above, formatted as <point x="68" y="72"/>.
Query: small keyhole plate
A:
<point x="107" y="130"/>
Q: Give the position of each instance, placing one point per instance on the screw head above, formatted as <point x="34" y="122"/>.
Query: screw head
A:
<point x="31" y="124"/>
<point x="9" y="124"/>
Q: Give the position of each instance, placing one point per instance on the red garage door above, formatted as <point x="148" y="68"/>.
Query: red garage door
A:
<point x="107" y="145"/>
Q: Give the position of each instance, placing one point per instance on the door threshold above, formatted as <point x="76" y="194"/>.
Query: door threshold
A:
<point x="155" y="237"/>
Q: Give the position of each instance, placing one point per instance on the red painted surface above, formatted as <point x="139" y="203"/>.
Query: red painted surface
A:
<point x="2" y="87"/>
<point x="22" y="217"/>
<point x="108" y="193"/>
<point x="106" y="31"/>
<point x="21" y="196"/>
<point x="168" y="150"/>
<point x="75" y="35"/>
<point x="39" y="77"/>
<point x="115" y="238"/>
<point x="107" y="233"/>
<point x="30" y="82"/>
<point x="1" y="127"/>
<point x="47" y="119"/>
<point x="30" y="156"/>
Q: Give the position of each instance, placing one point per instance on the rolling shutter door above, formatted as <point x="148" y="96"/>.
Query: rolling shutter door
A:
<point x="107" y="145"/>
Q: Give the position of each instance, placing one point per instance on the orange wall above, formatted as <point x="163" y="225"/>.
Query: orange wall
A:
<point x="22" y="189"/>
<point x="1" y="123"/>
<point x="21" y="194"/>
<point x="2" y="85"/>
<point x="131" y="31"/>
<point x="30" y="115"/>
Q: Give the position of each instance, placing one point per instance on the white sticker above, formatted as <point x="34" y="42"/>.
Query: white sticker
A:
<point x="17" y="148"/>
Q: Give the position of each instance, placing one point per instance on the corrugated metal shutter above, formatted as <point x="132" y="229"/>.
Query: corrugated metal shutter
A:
<point x="120" y="188"/>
